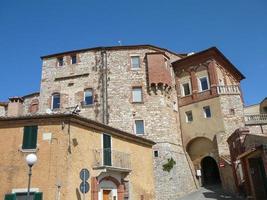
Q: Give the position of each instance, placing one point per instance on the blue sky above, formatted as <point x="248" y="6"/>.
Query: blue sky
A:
<point x="32" y="28"/>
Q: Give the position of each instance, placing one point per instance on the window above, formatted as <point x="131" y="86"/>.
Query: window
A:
<point x="56" y="101"/>
<point x="189" y="116"/>
<point x="186" y="90"/>
<point x="60" y="61"/>
<point x="137" y="94"/>
<point x="23" y="196"/>
<point x="156" y="154"/>
<point x="207" y="112"/>
<point x="139" y="127"/>
<point x="73" y="59"/>
<point x="135" y="62"/>
<point x="88" y="97"/>
<point x="232" y="111"/>
<point x="106" y="150"/>
<point x="203" y="83"/>
<point x="29" y="137"/>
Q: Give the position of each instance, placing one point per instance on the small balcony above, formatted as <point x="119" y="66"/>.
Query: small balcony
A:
<point x="256" y="119"/>
<point x="228" y="89"/>
<point x="111" y="160"/>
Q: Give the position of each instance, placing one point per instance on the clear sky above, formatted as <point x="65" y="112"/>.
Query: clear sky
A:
<point x="32" y="28"/>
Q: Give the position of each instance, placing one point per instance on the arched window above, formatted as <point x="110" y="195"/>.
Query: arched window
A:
<point x="88" y="97"/>
<point x="55" y="104"/>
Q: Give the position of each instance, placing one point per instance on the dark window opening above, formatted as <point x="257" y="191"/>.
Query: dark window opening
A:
<point x="186" y="89"/>
<point x="55" y="101"/>
<point x="60" y="61"/>
<point x="207" y="112"/>
<point x="204" y="83"/>
<point x="73" y="59"/>
<point x="156" y="154"/>
<point x="88" y="97"/>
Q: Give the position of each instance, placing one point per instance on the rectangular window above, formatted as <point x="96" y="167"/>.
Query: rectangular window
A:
<point x="137" y="94"/>
<point x="135" y="62"/>
<point x="207" y="112"/>
<point x="186" y="89"/>
<point x="106" y="150"/>
<point x="203" y="83"/>
<point x="60" y="61"/>
<point x="56" y="101"/>
<point x="189" y="116"/>
<point x="139" y="127"/>
<point x="73" y="59"/>
<point x="88" y="97"/>
<point x="30" y="137"/>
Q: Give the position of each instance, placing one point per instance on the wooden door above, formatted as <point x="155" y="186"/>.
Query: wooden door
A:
<point x="106" y="194"/>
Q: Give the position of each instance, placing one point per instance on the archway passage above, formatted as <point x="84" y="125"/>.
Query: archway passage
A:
<point x="210" y="171"/>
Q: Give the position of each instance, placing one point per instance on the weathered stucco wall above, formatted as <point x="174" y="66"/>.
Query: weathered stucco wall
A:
<point x="61" y="159"/>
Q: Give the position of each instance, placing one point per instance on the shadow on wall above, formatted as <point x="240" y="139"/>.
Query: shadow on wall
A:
<point x="78" y="194"/>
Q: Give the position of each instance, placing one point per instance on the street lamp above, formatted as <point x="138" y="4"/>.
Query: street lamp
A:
<point x="31" y="159"/>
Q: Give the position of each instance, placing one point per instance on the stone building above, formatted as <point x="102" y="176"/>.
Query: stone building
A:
<point x="188" y="104"/>
<point x="120" y="164"/>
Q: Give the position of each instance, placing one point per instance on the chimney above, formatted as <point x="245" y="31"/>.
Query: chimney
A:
<point x="15" y="106"/>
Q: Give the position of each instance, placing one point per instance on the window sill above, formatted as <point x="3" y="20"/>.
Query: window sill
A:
<point x="88" y="106"/>
<point x="137" y="102"/>
<point x="28" y="150"/>
<point x="136" y="69"/>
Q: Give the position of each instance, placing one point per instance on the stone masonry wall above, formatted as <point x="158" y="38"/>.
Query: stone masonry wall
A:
<point x="157" y="110"/>
<point x="233" y="117"/>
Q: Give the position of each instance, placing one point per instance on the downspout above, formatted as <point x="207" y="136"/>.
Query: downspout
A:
<point x="104" y="87"/>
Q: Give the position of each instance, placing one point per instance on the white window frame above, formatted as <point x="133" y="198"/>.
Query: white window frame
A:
<point x="135" y="126"/>
<point x="182" y="88"/>
<point x="199" y="83"/>
<point x="52" y="101"/>
<point x="133" y="68"/>
<point x="85" y="96"/>
<point x="186" y="116"/>
<point x="141" y="90"/>
<point x="204" y="112"/>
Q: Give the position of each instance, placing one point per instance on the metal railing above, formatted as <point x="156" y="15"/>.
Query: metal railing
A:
<point x="111" y="158"/>
<point x="256" y="119"/>
<point x="228" y="89"/>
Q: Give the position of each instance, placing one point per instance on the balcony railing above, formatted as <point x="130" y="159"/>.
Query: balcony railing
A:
<point x="256" y="119"/>
<point x="111" y="158"/>
<point x="228" y="89"/>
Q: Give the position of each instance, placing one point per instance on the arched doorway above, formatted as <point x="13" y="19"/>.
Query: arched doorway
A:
<point x="210" y="171"/>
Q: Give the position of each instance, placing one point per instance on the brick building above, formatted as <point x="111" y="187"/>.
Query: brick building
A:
<point x="188" y="104"/>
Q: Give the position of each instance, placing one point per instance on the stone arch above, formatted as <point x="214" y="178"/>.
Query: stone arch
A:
<point x="210" y="171"/>
<point x="112" y="179"/>
<point x="199" y="147"/>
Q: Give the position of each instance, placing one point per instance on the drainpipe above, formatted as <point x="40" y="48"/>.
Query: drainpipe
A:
<point x="104" y="87"/>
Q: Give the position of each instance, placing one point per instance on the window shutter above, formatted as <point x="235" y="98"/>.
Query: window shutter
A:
<point x="38" y="196"/>
<point x="10" y="197"/>
<point x="30" y="137"/>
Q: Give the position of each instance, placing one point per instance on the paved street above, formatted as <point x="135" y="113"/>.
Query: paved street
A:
<point x="212" y="192"/>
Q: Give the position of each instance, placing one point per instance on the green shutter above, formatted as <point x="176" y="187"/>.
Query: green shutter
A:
<point x="10" y="197"/>
<point x="107" y="149"/>
<point x="38" y="196"/>
<point x="30" y="137"/>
